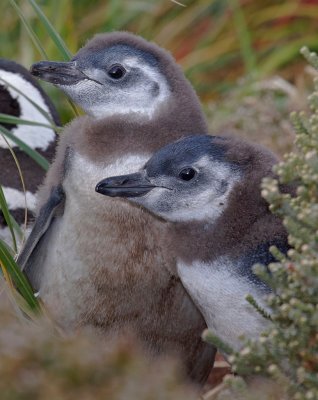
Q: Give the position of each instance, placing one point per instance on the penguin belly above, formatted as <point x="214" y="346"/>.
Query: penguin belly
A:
<point x="106" y="268"/>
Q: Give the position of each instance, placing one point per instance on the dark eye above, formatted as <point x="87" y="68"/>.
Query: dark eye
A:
<point x="187" y="174"/>
<point x="116" y="71"/>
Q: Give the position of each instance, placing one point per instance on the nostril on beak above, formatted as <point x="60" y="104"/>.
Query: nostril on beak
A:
<point x="123" y="181"/>
<point x="110" y="182"/>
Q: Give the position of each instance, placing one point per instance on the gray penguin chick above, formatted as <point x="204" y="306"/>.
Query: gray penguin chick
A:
<point x="220" y="226"/>
<point x="101" y="263"/>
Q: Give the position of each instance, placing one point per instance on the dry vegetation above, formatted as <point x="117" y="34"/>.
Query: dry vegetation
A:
<point x="37" y="362"/>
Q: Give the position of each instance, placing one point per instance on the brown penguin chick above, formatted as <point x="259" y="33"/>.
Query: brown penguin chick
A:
<point x="18" y="89"/>
<point x="101" y="263"/>
<point x="220" y="226"/>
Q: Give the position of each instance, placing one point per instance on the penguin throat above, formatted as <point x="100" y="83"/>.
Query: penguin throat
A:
<point x="100" y="111"/>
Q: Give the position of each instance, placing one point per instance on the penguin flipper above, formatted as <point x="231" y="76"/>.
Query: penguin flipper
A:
<point x="41" y="226"/>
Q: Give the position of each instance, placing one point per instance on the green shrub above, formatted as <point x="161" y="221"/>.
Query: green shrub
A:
<point x="288" y="352"/>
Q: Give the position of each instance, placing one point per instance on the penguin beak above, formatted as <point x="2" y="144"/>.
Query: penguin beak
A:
<point x="133" y="185"/>
<point x="59" y="73"/>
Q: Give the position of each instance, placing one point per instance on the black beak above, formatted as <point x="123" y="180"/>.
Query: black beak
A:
<point x="133" y="185"/>
<point x="59" y="73"/>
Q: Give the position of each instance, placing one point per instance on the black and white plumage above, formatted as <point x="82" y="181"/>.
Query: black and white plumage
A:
<point x="100" y="263"/>
<point x="13" y="75"/>
<point x="209" y="189"/>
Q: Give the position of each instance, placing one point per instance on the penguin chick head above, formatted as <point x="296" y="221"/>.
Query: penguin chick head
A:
<point x="190" y="179"/>
<point x="114" y="73"/>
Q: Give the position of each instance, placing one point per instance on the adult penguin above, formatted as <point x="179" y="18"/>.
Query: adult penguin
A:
<point x="100" y="263"/>
<point x="21" y="96"/>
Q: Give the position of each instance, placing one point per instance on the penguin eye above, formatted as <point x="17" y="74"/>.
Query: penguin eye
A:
<point x="116" y="71"/>
<point x="187" y="174"/>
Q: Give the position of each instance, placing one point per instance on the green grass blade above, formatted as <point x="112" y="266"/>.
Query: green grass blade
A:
<point x="16" y="227"/>
<point x="8" y="263"/>
<point x="210" y="337"/>
<point x="7" y="217"/>
<point x="73" y="107"/>
<point x="29" y="29"/>
<point x="9" y="119"/>
<point x="43" y="162"/>
<point x="286" y="54"/>
<point x="61" y="46"/>
<point x="45" y="114"/>
<point x="52" y="32"/>
<point x="13" y="221"/>
<point x="178" y="3"/>
<point x="244" y="37"/>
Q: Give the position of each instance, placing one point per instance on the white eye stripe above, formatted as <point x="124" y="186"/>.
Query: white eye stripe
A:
<point x="34" y="136"/>
<point x="16" y="199"/>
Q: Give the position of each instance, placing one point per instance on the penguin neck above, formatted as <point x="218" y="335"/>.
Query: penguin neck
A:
<point x="219" y="291"/>
<point x="111" y="137"/>
<point x="214" y="263"/>
<point x="244" y="225"/>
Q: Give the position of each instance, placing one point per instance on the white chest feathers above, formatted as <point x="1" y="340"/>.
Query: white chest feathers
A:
<point x="220" y="295"/>
<point x="77" y="239"/>
<point x="84" y="174"/>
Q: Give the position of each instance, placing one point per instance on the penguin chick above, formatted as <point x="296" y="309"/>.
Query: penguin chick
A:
<point x="209" y="188"/>
<point x="18" y="89"/>
<point x="104" y="264"/>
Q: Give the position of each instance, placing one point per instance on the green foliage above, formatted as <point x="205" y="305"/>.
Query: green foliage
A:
<point x="10" y="267"/>
<point x="210" y="337"/>
<point x="288" y="352"/>
<point x="7" y="217"/>
<point x="56" y="38"/>
<point x="250" y="299"/>
<point x="215" y="41"/>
